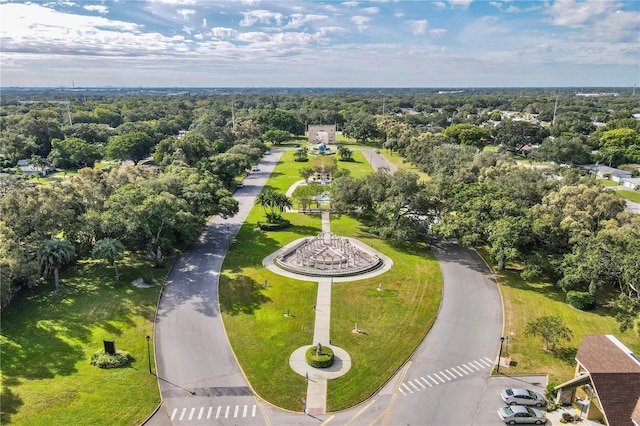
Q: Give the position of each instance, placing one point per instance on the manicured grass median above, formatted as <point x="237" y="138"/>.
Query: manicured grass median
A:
<point x="48" y="339"/>
<point x="394" y="320"/>
<point x="263" y="338"/>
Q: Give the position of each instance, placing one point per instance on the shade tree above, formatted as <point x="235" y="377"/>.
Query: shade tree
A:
<point x="52" y="255"/>
<point x="110" y="250"/>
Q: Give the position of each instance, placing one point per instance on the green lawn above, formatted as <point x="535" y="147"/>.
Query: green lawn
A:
<point x="48" y="339"/>
<point x="287" y="173"/>
<point x="525" y="301"/>
<point x="629" y="195"/>
<point x="406" y="307"/>
<point x="607" y="182"/>
<point x="263" y="339"/>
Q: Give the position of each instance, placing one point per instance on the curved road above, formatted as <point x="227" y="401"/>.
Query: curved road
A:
<point x="201" y="382"/>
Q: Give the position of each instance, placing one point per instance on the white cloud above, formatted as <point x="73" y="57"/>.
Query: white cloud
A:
<point x="438" y="32"/>
<point x="97" y="8"/>
<point x="296" y="20"/>
<point x="204" y="23"/>
<point x="573" y="14"/>
<point x="185" y="13"/>
<point x="262" y="16"/>
<point x="398" y="15"/>
<point x="460" y="3"/>
<point x="361" y="22"/>
<point x="371" y="10"/>
<point x="175" y="2"/>
<point x="223" y="33"/>
<point x="418" y="27"/>
<point x="331" y="30"/>
<point x="327" y="30"/>
<point x="440" y="4"/>
<point x="351" y="3"/>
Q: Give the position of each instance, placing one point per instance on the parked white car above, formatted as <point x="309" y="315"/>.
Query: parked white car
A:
<point x="522" y="397"/>
<point x="519" y="414"/>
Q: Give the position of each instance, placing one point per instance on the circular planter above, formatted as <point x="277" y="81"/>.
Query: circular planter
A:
<point x="323" y="360"/>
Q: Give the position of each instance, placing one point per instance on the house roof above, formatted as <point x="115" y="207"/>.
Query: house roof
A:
<point x="602" y="169"/>
<point x="635" y="416"/>
<point x="615" y="375"/>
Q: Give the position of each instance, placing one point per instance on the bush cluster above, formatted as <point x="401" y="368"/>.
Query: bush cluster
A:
<point x="268" y="226"/>
<point x="324" y="360"/>
<point x="581" y="300"/>
<point x="101" y="359"/>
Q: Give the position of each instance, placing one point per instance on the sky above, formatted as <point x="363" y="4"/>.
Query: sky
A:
<point x="291" y="43"/>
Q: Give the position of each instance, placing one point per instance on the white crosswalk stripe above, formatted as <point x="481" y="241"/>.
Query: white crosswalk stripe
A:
<point x="426" y="381"/>
<point x="445" y="375"/>
<point x="198" y="413"/>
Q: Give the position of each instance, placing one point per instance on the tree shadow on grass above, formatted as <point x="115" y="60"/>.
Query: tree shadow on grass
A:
<point x="10" y="401"/>
<point x="241" y="295"/>
<point x="566" y="355"/>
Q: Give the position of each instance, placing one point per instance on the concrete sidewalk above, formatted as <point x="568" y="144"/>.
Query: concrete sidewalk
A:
<point x="317" y="379"/>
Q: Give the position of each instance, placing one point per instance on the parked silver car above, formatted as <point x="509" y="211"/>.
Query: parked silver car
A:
<point x="522" y="397"/>
<point x="519" y="414"/>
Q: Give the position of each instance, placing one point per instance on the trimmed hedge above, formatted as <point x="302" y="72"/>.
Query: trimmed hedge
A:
<point x="581" y="300"/>
<point x="324" y="360"/>
<point x="101" y="359"/>
<point x="267" y="226"/>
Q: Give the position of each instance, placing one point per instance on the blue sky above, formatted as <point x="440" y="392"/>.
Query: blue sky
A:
<point x="290" y="43"/>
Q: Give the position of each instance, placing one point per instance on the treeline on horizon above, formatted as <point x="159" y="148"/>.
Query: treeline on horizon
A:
<point x="553" y="222"/>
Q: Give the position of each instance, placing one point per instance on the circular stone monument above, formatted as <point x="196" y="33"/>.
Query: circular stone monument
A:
<point x="328" y="255"/>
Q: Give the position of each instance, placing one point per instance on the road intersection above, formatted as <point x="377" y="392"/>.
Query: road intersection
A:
<point x="202" y="383"/>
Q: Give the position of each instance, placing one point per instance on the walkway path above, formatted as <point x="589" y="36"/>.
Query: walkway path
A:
<point x="316" y="402"/>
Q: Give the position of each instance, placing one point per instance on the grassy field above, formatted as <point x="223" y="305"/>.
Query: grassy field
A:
<point x="629" y="195"/>
<point x="263" y="339"/>
<point x="607" y="182"/>
<point x="48" y="339"/>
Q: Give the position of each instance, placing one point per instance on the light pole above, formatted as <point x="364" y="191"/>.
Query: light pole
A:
<point x="500" y="354"/>
<point x="149" y="353"/>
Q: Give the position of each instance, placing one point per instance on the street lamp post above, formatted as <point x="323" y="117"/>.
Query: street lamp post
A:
<point x="500" y="354"/>
<point x="149" y="353"/>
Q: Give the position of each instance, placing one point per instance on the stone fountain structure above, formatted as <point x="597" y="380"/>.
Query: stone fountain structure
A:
<point x="328" y="255"/>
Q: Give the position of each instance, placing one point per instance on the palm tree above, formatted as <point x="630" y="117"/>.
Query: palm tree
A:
<point x="266" y="199"/>
<point x="53" y="254"/>
<point x="109" y="249"/>
<point x="282" y="202"/>
<point x="275" y="201"/>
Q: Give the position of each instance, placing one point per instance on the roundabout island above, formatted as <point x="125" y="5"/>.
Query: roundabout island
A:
<point x="325" y="258"/>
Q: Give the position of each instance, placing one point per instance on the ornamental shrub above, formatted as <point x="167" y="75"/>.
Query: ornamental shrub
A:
<point x="324" y="360"/>
<point x="101" y="359"/>
<point x="581" y="300"/>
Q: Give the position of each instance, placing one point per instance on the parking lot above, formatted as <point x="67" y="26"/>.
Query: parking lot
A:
<point x="491" y="401"/>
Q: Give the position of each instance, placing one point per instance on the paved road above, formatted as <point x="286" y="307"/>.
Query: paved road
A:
<point x="198" y="375"/>
<point x="449" y="371"/>
<point x="201" y="382"/>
